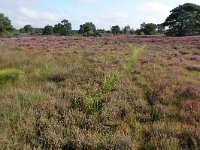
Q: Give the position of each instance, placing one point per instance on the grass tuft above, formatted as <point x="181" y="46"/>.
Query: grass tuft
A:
<point x="136" y="53"/>
<point x="9" y="76"/>
<point x="109" y="83"/>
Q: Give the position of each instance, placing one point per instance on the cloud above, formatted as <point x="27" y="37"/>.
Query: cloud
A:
<point x="154" y="12"/>
<point x="174" y="3"/>
<point x="157" y="12"/>
<point x="36" y="19"/>
<point x="87" y="1"/>
<point x="106" y="20"/>
<point x="6" y="4"/>
<point x="154" y="8"/>
<point x="28" y="13"/>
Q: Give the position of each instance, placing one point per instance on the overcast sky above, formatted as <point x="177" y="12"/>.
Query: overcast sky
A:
<point x="104" y="13"/>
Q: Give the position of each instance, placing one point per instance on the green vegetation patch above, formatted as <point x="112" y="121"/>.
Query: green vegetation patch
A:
<point x="9" y="76"/>
<point x="109" y="82"/>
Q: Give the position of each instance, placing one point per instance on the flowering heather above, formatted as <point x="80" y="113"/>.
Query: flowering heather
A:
<point x="196" y="58"/>
<point x="68" y="42"/>
<point x="193" y="67"/>
<point x="90" y="93"/>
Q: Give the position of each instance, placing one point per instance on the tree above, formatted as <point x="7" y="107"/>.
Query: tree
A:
<point x="63" y="28"/>
<point x="126" y="29"/>
<point x="87" y="29"/>
<point x="5" y="24"/>
<point x="160" y="29"/>
<point x="115" y="29"/>
<point x="57" y="28"/>
<point x="183" y="20"/>
<point x="66" y="27"/>
<point x="48" y="30"/>
<point x="38" y="31"/>
<point x="27" y="29"/>
<point x="137" y="32"/>
<point x="148" y="28"/>
<point x="132" y="31"/>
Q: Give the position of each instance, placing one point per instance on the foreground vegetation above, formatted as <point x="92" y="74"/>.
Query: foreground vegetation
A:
<point x="100" y="93"/>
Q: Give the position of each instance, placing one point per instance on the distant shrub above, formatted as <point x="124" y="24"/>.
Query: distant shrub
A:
<point x="115" y="29"/>
<point x="48" y="30"/>
<point x="64" y="28"/>
<point x="88" y="29"/>
<point x="97" y="34"/>
<point x="27" y="29"/>
<point x="6" y="34"/>
<point x="148" y="28"/>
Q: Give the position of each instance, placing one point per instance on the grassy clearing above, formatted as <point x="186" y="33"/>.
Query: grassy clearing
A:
<point x="99" y="97"/>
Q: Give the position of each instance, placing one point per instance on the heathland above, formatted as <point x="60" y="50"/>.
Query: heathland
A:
<point x="118" y="92"/>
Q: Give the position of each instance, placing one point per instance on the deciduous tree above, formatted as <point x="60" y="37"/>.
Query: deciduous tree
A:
<point x="48" y="30"/>
<point x="63" y="28"/>
<point x="115" y="29"/>
<point x="148" y="28"/>
<point x="5" y="24"/>
<point x="27" y="29"/>
<point x="87" y="29"/>
<point x="184" y="20"/>
<point x="126" y="29"/>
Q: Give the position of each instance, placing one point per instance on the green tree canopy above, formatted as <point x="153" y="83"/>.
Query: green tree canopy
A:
<point x="87" y="29"/>
<point x="137" y="32"/>
<point x="38" y="31"/>
<point x="160" y="29"/>
<point x="63" y="28"/>
<point x="148" y="28"/>
<point x="48" y="30"/>
<point x="115" y="29"/>
<point x="27" y="29"/>
<point x="132" y="31"/>
<point x="5" y="24"/>
<point x="184" y="20"/>
<point x="126" y="29"/>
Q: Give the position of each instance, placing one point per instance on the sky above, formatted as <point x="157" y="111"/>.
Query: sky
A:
<point x="103" y="13"/>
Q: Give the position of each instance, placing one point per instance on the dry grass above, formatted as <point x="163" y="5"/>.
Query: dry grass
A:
<point x="100" y="96"/>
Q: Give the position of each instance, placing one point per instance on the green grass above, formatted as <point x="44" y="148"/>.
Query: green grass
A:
<point x="9" y="76"/>
<point x="109" y="82"/>
<point x="136" y="53"/>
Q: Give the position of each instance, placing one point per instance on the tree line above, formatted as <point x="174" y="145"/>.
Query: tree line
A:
<point x="183" y="20"/>
<point x="64" y="28"/>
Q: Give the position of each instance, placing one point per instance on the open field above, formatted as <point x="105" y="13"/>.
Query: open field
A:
<point x="82" y="93"/>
